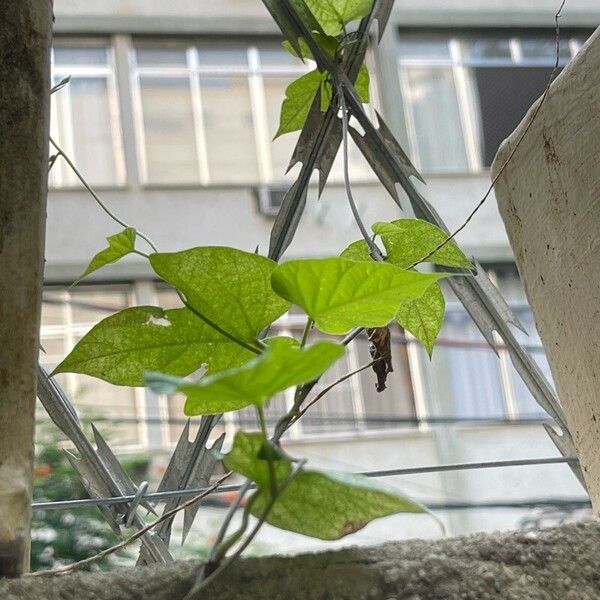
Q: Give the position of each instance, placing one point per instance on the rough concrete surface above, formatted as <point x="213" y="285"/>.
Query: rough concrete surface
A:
<point x="561" y="563"/>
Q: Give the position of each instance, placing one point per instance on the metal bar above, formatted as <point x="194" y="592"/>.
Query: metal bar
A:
<point x="156" y="496"/>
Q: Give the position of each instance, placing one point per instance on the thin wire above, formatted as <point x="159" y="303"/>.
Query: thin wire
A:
<point x="521" y="462"/>
<point x="95" y="196"/>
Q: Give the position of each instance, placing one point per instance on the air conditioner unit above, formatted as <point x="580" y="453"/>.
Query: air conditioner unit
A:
<point x="269" y="198"/>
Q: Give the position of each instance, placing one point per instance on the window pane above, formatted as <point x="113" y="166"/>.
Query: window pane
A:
<point x="433" y="106"/>
<point x="544" y="50"/>
<point x="151" y="56"/>
<point x="169" y="130"/>
<point x="91" y="130"/>
<point x="223" y="56"/>
<point x="505" y="95"/>
<point x="229" y="130"/>
<point x="424" y="48"/>
<point x="67" y="55"/>
<point x="488" y="49"/>
<point x="277" y="56"/>
<point x="282" y="147"/>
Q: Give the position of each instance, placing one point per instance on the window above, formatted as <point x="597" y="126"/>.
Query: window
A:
<point x="463" y="97"/>
<point x="66" y="316"/>
<point x="207" y="113"/>
<point x="85" y="115"/>
<point x="467" y="379"/>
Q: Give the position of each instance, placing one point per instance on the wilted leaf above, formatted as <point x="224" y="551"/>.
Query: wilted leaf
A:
<point x="119" y="245"/>
<point x="409" y="240"/>
<point x="121" y="347"/>
<point x="230" y="287"/>
<point x="380" y="348"/>
<point x="340" y="294"/>
<point x="332" y="14"/>
<point x="424" y="316"/>
<point x="321" y="504"/>
<point x="283" y="365"/>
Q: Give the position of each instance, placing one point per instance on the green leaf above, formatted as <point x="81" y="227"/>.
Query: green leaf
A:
<point x="299" y="96"/>
<point x="121" y="347"/>
<point x="230" y="287"/>
<point x="340" y="294"/>
<point x="332" y="14"/>
<point x="409" y="240"/>
<point x="327" y="43"/>
<point x="362" y="83"/>
<point x="119" y="245"/>
<point x="320" y="504"/>
<point x="424" y="316"/>
<point x="357" y="251"/>
<point x="283" y="365"/>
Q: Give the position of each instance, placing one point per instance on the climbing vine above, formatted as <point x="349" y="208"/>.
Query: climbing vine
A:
<point x="230" y="298"/>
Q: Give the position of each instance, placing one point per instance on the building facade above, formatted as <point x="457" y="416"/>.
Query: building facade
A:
<point x="170" y="115"/>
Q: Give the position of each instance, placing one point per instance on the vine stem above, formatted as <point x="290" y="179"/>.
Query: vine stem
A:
<point x="260" y="411"/>
<point x="373" y="249"/>
<point x="307" y="328"/>
<point x="95" y="196"/>
<point x="200" y="585"/>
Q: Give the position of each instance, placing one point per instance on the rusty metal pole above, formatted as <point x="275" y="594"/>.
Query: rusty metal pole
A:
<point x="25" y="37"/>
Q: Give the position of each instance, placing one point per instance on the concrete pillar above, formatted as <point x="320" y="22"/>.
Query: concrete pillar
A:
<point x="549" y="199"/>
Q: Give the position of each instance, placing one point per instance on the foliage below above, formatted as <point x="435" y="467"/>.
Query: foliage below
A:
<point x="324" y="505"/>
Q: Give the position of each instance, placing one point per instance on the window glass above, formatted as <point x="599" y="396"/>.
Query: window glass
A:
<point x="488" y="49"/>
<point x="433" y="105"/>
<point x="161" y="56"/>
<point x="170" y="143"/>
<point x="272" y="55"/>
<point x="229" y="130"/>
<point x="77" y="55"/>
<point x="281" y="148"/>
<point x="544" y="50"/>
<point x="425" y="48"/>
<point x="223" y="56"/>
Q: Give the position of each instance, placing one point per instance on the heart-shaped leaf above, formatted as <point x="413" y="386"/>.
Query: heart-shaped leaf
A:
<point x="230" y="287"/>
<point x="424" y="316"/>
<point x="320" y="504"/>
<point x="407" y="241"/>
<point x="283" y="365"/>
<point x="333" y="14"/>
<point x="340" y="294"/>
<point x="121" y="347"/>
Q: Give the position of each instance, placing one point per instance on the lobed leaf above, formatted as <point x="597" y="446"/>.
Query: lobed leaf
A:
<point x="119" y="245"/>
<point x="340" y="294"/>
<point x="333" y="14"/>
<point x="409" y="240"/>
<point x="283" y="365"/>
<point x="424" y="316"/>
<point x="121" y="347"/>
<point x="230" y="287"/>
<point x="321" y="504"/>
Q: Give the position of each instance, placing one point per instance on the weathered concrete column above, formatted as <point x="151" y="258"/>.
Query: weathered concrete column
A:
<point x="549" y="199"/>
<point x="25" y="28"/>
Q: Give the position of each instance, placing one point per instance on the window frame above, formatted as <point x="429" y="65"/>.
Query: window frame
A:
<point x="59" y="178"/>
<point x="254" y="73"/>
